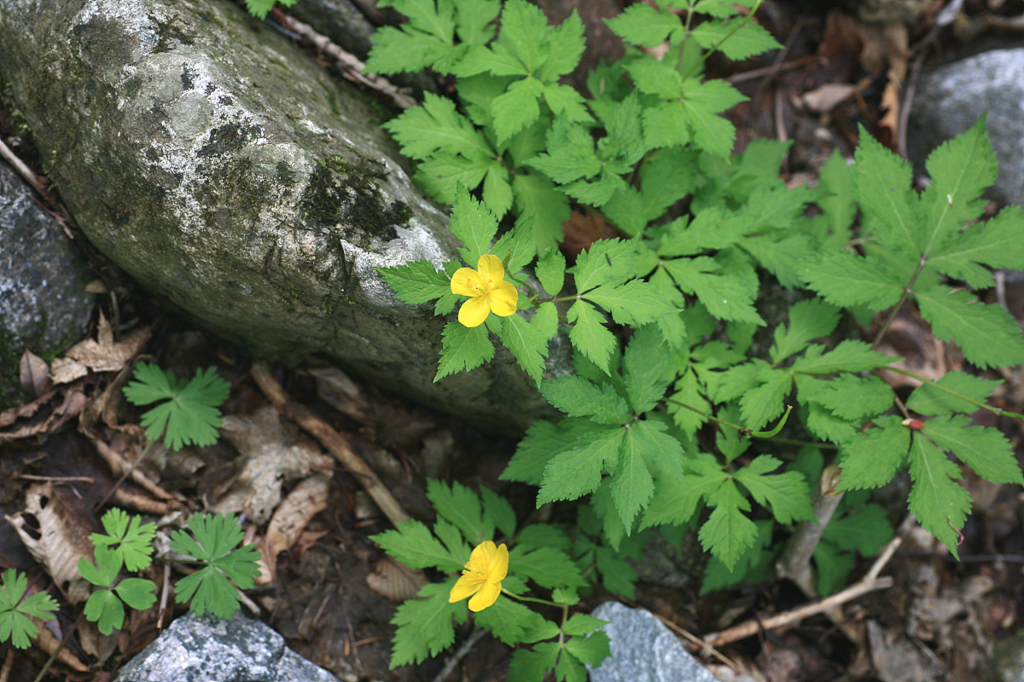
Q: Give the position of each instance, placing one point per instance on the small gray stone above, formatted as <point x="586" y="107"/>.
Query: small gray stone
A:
<point x="644" y="650"/>
<point x="210" y="649"/>
<point x="950" y="98"/>
<point x="43" y="303"/>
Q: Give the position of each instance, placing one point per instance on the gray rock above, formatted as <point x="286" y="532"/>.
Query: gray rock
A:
<point x="210" y="649"/>
<point x="952" y="97"/>
<point x="643" y="649"/>
<point x="230" y="175"/>
<point x="43" y="303"/>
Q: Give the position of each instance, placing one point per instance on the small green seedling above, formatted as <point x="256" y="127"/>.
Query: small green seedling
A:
<point x="191" y="414"/>
<point x="213" y="546"/>
<point x="15" y="613"/>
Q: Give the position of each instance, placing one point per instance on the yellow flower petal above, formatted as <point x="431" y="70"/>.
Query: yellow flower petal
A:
<point x="467" y="282"/>
<point x="487" y="595"/>
<point x="503" y="299"/>
<point x="474" y="311"/>
<point x="466" y="586"/>
<point x="490" y="268"/>
<point x="499" y="567"/>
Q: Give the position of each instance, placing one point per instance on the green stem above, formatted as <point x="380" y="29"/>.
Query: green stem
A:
<point x="533" y="599"/>
<point x="907" y="290"/>
<point x="700" y="62"/>
<point x="994" y="410"/>
<point x="767" y="435"/>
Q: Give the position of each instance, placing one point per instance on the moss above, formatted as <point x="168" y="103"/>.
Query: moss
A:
<point x="11" y="393"/>
<point x="340" y="191"/>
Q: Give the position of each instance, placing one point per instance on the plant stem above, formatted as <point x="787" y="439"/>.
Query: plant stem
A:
<point x="795" y="560"/>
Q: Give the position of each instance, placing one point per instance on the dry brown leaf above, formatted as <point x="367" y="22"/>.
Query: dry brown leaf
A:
<point x="395" y="581"/>
<point x="101" y="355"/>
<point x="73" y="401"/>
<point x="270" y="457"/>
<point x="336" y="389"/>
<point x="50" y="644"/>
<point x="583" y="229"/>
<point x="827" y="97"/>
<point x="304" y="502"/>
<point x="63" y="536"/>
<point x="34" y="374"/>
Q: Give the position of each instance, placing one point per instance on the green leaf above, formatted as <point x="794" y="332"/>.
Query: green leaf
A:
<point x="644" y="25"/>
<point x="702" y="103"/>
<point x="397" y="50"/>
<point x="190" y="415"/>
<point x="546" y="566"/>
<point x="648" y="369"/>
<point x="528" y="665"/>
<point x="634" y="303"/>
<point x="104" y="572"/>
<point x="425" y="624"/>
<point x="765" y="402"/>
<point x="463" y="348"/>
<point x="727" y="532"/>
<point x="527" y="344"/>
<point x="104" y="609"/>
<point x="852" y="397"/>
<point x="617" y="575"/>
<point x="543" y="441"/>
<point x="665" y="125"/>
<point x="441" y="175"/>
<point x="785" y="494"/>
<point x="690" y="392"/>
<point x="985" y="450"/>
<point x="987" y="334"/>
<point x="516" y="108"/>
<point x="960" y="388"/>
<point x="996" y="243"/>
<point x="872" y="458"/>
<point x="835" y="195"/>
<point x="416" y="282"/>
<point x="960" y="169"/>
<point x="506" y="619"/>
<point x="592" y="650"/>
<point x="882" y="186"/>
<point x="498" y="511"/>
<point x="473" y="224"/>
<point x="808" y="320"/>
<point x="436" y="126"/>
<point x="582" y="624"/>
<point x="137" y="593"/>
<point x="675" y="501"/>
<point x="413" y="544"/>
<point x="461" y="506"/>
<point x="632" y="484"/>
<point x="589" y="334"/>
<point x="578" y="397"/>
<point x="725" y="296"/>
<point x="939" y="503"/>
<point x="570" y="670"/>
<point x="866" y="530"/>
<point x="844" y="279"/>
<point x="656" y="78"/>
<point x="135" y="542"/>
<point x="848" y="356"/>
<point x="551" y="272"/>
<point x="212" y="544"/>
<point x="570" y="153"/>
<point x="749" y="39"/>
<point x="607" y="261"/>
<point x="541" y="207"/>
<point x="577" y="472"/>
<point x="15" y="622"/>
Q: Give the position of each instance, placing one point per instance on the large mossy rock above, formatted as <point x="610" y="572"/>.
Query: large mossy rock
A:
<point x="233" y="177"/>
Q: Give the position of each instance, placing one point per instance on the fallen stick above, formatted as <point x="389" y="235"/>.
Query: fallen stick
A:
<point x="869" y="583"/>
<point x="331" y="439"/>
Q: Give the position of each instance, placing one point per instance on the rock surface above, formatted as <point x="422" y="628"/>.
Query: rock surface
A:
<point x="951" y="98"/>
<point x="43" y="303"/>
<point x="643" y="649"/>
<point x="229" y="174"/>
<point x="210" y="649"/>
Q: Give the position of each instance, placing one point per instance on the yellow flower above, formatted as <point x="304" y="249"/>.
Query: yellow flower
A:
<point x="489" y="291"/>
<point x="486" y="568"/>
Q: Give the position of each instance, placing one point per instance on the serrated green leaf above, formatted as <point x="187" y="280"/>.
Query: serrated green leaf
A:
<point x="212" y="545"/>
<point x="787" y="494"/>
<point x="474" y="19"/>
<point x="190" y="416"/>
<point x="576" y="472"/>
<point x="543" y="441"/>
<point x="463" y="348"/>
<point x="827" y="426"/>
<point x="527" y="344"/>
<point x="931" y="399"/>
<point x="542" y="208"/>
<point x="763" y="403"/>
<point x="665" y="125"/>
<point x="872" y="458"/>
<point x="835" y="195"/>
<point x="656" y="78"/>
<point x="436" y="125"/>
<point x="689" y="392"/>
<point x="473" y="224"/>
<point x="532" y="664"/>
<point x="726" y="297"/>
<point x="607" y="261"/>
<point x="882" y="186"/>
<point x="648" y="369"/>
<point x="416" y="281"/>
<point x="634" y="303"/>
<point x="987" y="334"/>
<point x="15" y="622"/>
<point x="617" y="575"/>
<point x="425" y="624"/>
<point x="578" y="397"/>
<point x="396" y="50"/>
<point x="135" y="542"/>
<point x="582" y="624"/>
<point x="939" y="503"/>
<point x="644" y="25"/>
<point x="589" y="334"/>
<point x="702" y="102"/>
<point x="808" y="320"/>
<point x="848" y="356"/>
<point x="592" y="650"/>
<point x="413" y="544"/>
<point x="546" y="566"/>
<point x="844" y="279"/>
<point x="727" y="532"/>
<point x="675" y="501"/>
<point x="852" y="397"/>
<point x="996" y="243"/>
<point x="461" y="506"/>
<point x="506" y="619"/>
<point x="498" y="511"/>
<point x="551" y="272"/>
<point x="632" y="484"/>
<point x="736" y="38"/>
<point x="985" y="450"/>
<point x="516" y="108"/>
<point x="866" y="530"/>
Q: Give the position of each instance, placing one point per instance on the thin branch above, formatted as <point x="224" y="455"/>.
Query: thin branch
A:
<point x="460" y="653"/>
